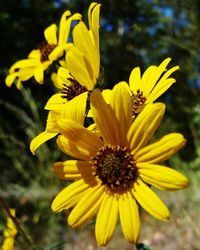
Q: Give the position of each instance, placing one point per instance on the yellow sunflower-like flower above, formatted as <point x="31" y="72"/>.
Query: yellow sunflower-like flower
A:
<point x="74" y="89"/>
<point x="113" y="172"/>
<point x="9" y="233"/>
<point x="146" y="88"/>
<point x="81" y="70"/>
<point x="151" y="85"/>
<point x="40" y="59"/>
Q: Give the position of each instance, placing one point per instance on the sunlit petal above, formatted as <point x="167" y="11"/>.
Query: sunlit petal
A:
<point x="70" y="196"/>
<point x="105" y="118"/>
<point x="150" y="201"/>
<point x="87" y="207"/>
<point x="50" y="34"/>
<point x="129" y="217"/>
<point x="106" y="219"/>
<point x="80" y="136"/>
<point x="162" y="149"/>
<point x="40" y="139"/>
<point x="162" y="177"/>
<point x="121" y="105"/>
<point x="145" y="125"/>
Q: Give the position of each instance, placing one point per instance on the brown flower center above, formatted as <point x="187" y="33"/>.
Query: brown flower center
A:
<point x="45" y="50"/>
<point x="115" y="167"/>
<point x="138" y="101"/>
<point x="72" y="90"/>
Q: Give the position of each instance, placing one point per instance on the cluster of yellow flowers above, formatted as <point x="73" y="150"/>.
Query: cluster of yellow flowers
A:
<point x="112" y="164"/>
<point x="9" y="233"/>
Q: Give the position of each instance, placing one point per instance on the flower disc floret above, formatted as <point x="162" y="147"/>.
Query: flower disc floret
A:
<point x="137" y="101"/>
<point x="45" y="51"/>
<point x="72" y="90"/>
<point x="115" y="167"/>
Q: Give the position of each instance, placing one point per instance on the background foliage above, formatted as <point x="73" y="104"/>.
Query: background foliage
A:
<point x="133" y="33"/>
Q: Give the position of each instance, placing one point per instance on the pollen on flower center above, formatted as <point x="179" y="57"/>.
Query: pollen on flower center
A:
<point x="72" y="90"/>
<point x="115" y="167"/>
<point x="45" y="50"/>
<point x="138" y="101"/>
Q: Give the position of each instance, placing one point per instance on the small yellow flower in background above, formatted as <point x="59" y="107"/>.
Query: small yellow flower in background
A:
<point x="82" y="67"/>
<point x="146" y="88"/>
<point x="151" y="85"/>
<point x="9" y="233"/>
<point x="83" y="59"/>
<point x="74" y="90"/>
<point x="112" y="173"/>
<point x="40" y="59"/>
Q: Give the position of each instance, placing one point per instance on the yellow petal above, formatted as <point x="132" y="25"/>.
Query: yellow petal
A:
<point x="66" y="170"/>
<point x="25" y="63"/>
<point x="93" y="18"/>
<point x="148" y="77"/>
<point x="150" y="201"/>
<point x="79" y="135"/>
<point x="56" y="53"/>
<point x="51" y="125"/>
<point x="55" y="102"/>
<point x="135" y="80"/>
<point x="83" y="43"/>
<point x="39" y="74"/>
<point x="121" y="105"/>
<point x="10" y="79"/>
<point x="73" y="169"/>
<point x="162" y="149"/>
<point x="105" y="118"/>
<point x="87" y="207"/>
<point x="162" y="177"/>
<point x="106" y="93"/>
<point x="70" y="196"/>
<point x="76" y="64"/>
<point x="144" y="126"/>
<point x="40" y="139"/>
<point x="65" y="24"/>
<point x="72" y="149"/>
<point x="129" y="217"/>
<point x="50" y="34"/>
<point x="106" y="219"/>
<point x="160" y="89"/>
<point x="63" y="77"/>
<point x="35" y="54"/>
<point x="163" y="84"/>
<point x="75" y="108"/>
<point x="152" y="81"/>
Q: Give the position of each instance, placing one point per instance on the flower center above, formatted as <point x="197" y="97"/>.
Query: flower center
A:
<point x="138" y="101"/>
<point x="72" y="90"/>
<point x="115" y="167"/>
<point x="45" y="50"/>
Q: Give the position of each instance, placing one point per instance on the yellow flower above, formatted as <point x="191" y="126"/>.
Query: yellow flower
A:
<point x="81" y="70"/>
<point x="83" y="60"/>
<point x="40" y="59"/>
<point x="113" y="172"/>
<point x="151" y="85"/>
<point x="9" y="233"/>
<point x="74" y="90"/>
<point x="146" y="88"/>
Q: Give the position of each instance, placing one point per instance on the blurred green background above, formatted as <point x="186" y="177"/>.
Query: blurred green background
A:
<point x="132" y="33"/>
